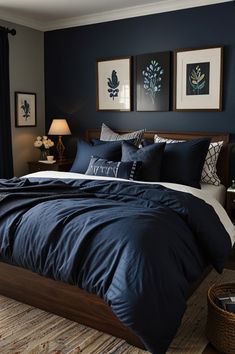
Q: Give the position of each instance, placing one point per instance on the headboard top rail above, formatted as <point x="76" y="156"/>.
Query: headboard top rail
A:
<point x="95" y="134"/>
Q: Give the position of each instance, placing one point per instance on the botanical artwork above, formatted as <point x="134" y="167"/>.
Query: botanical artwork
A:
<point x="153" y="82"/>
<point x="152" y="79"/>
<point x="25" y="107"/>
<point x="198" y="78"/>
<point x="114" y="84"/>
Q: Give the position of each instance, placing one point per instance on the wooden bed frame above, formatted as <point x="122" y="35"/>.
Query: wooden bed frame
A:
<point x="71" y="302"/>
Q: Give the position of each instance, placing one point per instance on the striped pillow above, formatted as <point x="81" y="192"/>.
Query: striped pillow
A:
<point x="108" y="134"/>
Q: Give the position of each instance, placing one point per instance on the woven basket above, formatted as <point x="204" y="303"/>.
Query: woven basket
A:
<point x="220" y="327"/>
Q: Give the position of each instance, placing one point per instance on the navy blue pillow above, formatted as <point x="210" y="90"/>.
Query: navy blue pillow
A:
<point x="102" y="167"/>
<point x="110" y="151"/>
<point x="147" y="142"/>
<point x="151" y="157"/>
<point x="183" y="162"/>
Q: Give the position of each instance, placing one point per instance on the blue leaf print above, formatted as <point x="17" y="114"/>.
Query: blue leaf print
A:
<point x="113" y="84"/>
<point x="26" y="109"/>
<point x="152" y="78"/>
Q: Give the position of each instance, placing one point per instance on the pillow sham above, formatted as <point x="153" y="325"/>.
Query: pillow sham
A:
<point x="183" y="162"/>
<point x="151" y="157"/>
<point x="108" y="134"/>
<point x="209" y="171"/>
<point x="102" y="167"/>
<point x="110" y="151"/>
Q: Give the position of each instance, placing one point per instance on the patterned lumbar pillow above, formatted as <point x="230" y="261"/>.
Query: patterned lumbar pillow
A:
<point x="102" y="167"/>
<point x="209" y="171"/>
<point x="108" y="134"/>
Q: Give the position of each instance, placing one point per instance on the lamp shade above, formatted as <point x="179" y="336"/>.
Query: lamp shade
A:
<point x="59" y="127"/>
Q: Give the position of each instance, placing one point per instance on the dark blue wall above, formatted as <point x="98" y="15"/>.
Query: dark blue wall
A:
<point x="70" y="67"/>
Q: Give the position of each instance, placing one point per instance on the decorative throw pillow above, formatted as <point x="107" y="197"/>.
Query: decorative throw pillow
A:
<point x="102" y="167"/>
<point x="108" y="134"/>
<point x="183" y="162"/>
<point x="159" y="139"/>
<point x="151" y="157"/>
<point x="209" y="171"/>
<point x="110" y="151"/>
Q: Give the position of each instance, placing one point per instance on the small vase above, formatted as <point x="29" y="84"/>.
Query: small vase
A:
<point x="43" y="155"/>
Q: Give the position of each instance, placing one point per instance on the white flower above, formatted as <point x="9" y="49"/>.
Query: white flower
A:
<point x="38" y="143"/>
<point x="43" y="142"/>
<point x="46" y="145"/>
<point x="50" y="142"/>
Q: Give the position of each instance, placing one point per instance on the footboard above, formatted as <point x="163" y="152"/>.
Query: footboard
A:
<point x="62" y="299"/>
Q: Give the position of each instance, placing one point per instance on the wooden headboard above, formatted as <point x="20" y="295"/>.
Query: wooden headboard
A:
<point x="223" y="164"/>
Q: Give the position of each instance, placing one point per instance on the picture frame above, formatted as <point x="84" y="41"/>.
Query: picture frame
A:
<point x="153" y="82"/>
<point x="114" y="84"/>
<point x="25" y="109"/>
<point x="198" y="79"/>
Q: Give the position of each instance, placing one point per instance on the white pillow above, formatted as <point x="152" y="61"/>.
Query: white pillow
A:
<point x="108" y="134"/>
<point x="209" y="171"/>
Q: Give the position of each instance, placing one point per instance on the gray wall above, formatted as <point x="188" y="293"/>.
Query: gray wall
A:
<point x="26" y="75"/>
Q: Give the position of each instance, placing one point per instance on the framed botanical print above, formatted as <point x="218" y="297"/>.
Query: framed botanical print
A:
<point x="153" y="81"/>
<point x="114" y="84"/>
<point x="25" y="109"/>
<point x="198" y="77"/>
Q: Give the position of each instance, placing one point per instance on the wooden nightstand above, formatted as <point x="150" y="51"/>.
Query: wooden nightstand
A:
<point x="63" y="165"/>
<point x="230" y="204"/>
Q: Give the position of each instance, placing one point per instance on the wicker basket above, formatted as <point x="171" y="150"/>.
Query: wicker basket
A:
<point x="220" y="327"/>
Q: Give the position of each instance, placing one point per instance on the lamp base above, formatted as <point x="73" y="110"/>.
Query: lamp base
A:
<point x="60" y="148"/>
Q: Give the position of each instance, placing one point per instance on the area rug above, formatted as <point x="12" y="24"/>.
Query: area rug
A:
<point x="27" y="330"/>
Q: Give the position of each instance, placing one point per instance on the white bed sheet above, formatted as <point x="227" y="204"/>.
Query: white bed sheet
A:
<point x="204" y="193"/>
<point x="216" y="192"/>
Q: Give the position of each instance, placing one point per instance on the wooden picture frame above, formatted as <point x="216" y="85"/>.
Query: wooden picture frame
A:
<point x="198" y="78"/>
<point x="113" y="84"/>
<point x="25" y="109"/>
<point x="153" y="82"/>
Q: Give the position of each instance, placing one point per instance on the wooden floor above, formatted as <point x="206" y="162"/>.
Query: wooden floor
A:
<point x="230" y="265"/>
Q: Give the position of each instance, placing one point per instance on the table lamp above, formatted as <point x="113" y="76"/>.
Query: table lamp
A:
<point x="59" y="127"/>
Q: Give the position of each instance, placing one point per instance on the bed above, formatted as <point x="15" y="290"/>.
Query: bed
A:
<point x="86" y="308"/>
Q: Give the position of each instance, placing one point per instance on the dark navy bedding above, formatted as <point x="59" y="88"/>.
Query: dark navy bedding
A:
<point x="137" y="246"/>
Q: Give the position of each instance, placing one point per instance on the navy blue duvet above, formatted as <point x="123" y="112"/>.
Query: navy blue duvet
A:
<point x="137" y="246"/>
